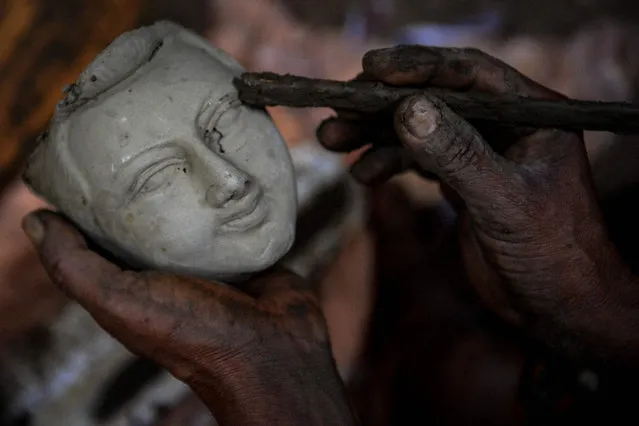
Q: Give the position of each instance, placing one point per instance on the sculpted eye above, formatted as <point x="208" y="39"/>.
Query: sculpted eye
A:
<point x="155" y="182"/>
<point x="157" y="176"/>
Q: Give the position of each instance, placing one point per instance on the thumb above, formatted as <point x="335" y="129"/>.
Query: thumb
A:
<point x="445" y="144"/>
<point x="144" y="311"/>
<point x="63" y="251"/>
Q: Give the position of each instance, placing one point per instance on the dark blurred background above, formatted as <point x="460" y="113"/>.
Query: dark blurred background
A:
<point x="458" y="367"/>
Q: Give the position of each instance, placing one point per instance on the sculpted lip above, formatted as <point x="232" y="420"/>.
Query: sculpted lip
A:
<point x="250" y="215"/>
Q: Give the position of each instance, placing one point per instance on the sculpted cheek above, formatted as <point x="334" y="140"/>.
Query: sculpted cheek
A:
<point x="140" y="224"/>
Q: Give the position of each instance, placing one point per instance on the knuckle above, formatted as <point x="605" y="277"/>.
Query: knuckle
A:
<point x="533" y="200"/>
<point x="456" y="157"/>
<point x="459" y="147"/>
<point x="512" y="80"/>
<point x="401" y="57"/>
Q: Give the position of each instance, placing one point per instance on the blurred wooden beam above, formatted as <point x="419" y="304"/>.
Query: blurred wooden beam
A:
<point x="271" y="89"/>
<point x="45" y="44"/>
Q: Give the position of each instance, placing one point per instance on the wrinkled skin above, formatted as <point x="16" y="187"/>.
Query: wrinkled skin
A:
<point x="531" y="232"/>
<point x="256" y="357"/>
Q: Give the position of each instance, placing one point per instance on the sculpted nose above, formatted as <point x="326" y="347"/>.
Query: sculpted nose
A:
<point x="227" y="185"/>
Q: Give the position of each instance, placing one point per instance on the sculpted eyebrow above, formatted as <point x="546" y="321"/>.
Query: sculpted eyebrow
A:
<point x="213" y="108"/>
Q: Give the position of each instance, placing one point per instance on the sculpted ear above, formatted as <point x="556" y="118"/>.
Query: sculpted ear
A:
<point x="121" y="59"/>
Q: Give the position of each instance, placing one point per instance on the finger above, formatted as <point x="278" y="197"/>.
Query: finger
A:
<point x="142" y="310"/>
<point x="342" y="135"/>
<point x="97" y="284"/>
<point x="350" y="115"/>
<point x="346" y="135"/>
<point x="379" y="164"/>
<point x="442" y="142"/>
<point x="457" y="69"/>
<point x="336" y="133"/>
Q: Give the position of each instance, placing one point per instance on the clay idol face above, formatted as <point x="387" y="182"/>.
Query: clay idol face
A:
<point x="153" y="155"/>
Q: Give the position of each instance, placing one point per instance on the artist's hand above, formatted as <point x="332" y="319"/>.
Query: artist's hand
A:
<point x="532" y="235"/>
<point x="260" y="357"/>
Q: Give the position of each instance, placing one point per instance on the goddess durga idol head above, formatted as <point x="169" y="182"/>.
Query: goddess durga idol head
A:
<point x="154" y="157"/>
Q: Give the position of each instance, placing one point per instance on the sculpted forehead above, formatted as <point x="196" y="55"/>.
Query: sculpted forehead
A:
<point x="161" y="102"/>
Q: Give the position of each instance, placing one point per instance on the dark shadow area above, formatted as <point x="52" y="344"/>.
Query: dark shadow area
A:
<point x="123" y="387"/>
<point x="192" y="14"/>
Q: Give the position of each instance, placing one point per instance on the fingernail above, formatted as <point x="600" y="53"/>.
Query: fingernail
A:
<point x="34" y="228"/>
<point x="420" y="117"/>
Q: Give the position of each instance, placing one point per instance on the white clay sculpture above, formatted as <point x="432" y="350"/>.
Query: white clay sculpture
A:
<point x="153" y="156"/>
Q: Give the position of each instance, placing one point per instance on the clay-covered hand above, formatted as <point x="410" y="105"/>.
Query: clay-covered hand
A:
<point x="532" y="235"/>
<point x="256" y="357"/>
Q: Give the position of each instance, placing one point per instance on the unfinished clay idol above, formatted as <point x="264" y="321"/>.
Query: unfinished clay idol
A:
<point x="153" y="156"/>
